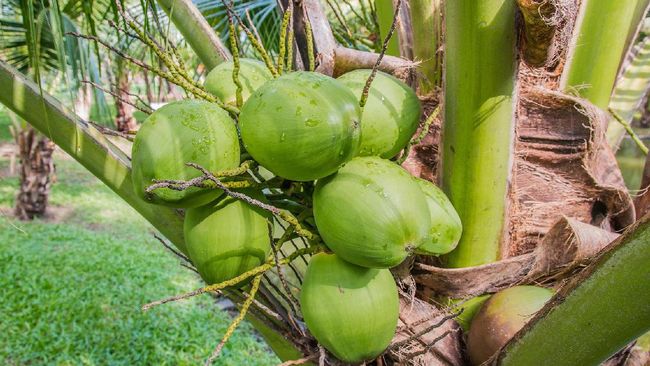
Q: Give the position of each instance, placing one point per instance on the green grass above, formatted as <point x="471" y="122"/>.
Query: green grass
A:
<point x="72" y="287"/>
<point x="5" y="122"/>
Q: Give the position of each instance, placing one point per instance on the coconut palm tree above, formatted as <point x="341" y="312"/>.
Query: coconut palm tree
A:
<point x="520" y="149"/>
<point x="32" y="39"/>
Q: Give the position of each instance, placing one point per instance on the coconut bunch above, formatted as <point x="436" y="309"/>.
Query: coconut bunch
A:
<point x="318" y="155"/>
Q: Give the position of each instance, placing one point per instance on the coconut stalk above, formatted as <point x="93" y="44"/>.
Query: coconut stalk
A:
<point x="478" y="122"/>
<point x="196" y="31"/>
<point x="426" y="25"/>
<point x="630" y="92"/>
<point x="596" y="314"/>
<point x="597" y="46"/>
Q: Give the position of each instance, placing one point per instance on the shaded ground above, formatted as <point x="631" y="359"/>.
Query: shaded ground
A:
<point x="72" y="286"/>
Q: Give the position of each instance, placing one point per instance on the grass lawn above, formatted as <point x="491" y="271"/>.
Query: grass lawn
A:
<point x="72" y="286"/>
<point x="5" y="122"/>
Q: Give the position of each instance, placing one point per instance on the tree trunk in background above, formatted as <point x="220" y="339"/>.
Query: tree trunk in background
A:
<point x="124" y="120"/>
<point x="35" y="152"/>
<point x="36" y="168"/>
<point x="148" y="86"/>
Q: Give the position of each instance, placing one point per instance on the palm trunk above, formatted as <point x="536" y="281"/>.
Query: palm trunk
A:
<point x="478" y="122"/>
<point x="36" y="169"/>
<point x="426" y="24"/>
<point x="124" y="121"/>
<point x="486" y="108"/>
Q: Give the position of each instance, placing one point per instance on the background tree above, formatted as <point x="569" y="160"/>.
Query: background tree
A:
<point x="32" y="38"/>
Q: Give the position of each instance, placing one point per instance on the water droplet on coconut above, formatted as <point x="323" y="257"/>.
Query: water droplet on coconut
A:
<point x="283" y="137"/>
<point x="311" y="122"/>
<point x="298" y="111"/>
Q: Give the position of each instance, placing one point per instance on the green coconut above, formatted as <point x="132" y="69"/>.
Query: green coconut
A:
<point x="301" y="126"/>
<point x="177" y="133"/>
<point x="227" y="237"/>
<point x="390" y="116"/>
<point x="500" y="317"/>
<point x="252" y="75"/>
<point x="371" y="212"/>
<point x="352" y="311"/>
<point x="445" y="228"/>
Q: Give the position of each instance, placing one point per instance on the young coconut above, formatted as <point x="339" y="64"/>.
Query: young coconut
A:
<point x="371" y="212"/>
<point x="301" y="126"/>
<point x="352" y="311"/>
<point x="227" y="237"/>
<point x="445" y="228"/>
<point x="181" y="132"/>
<point x="390" y="116"/>
<point x="500" y="317"/>
<point x="252" y="75"/>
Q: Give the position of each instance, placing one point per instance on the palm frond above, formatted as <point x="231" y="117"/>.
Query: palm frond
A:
<point x="34" y="39"/>
<point x="263" y="13"/>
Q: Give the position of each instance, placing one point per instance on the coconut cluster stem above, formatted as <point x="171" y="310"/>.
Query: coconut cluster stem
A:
<point x="283" y="214"/>
<point x="290" y="37"/>
<point x="144" y="108"/>
<point x="257" y="45"/>
<point x="282" y="47"/>
<point x="275" y="247"/>
<point x="181" y="185"/>
<point x="309" y="35"/>
<point x="234" y="48"/>
<point x="210" y="180"/>
<point x="419" y="137"/>
<point x="233" y="325"/>
<point x="269" y="264"/>
<point x="176" y="74"/>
